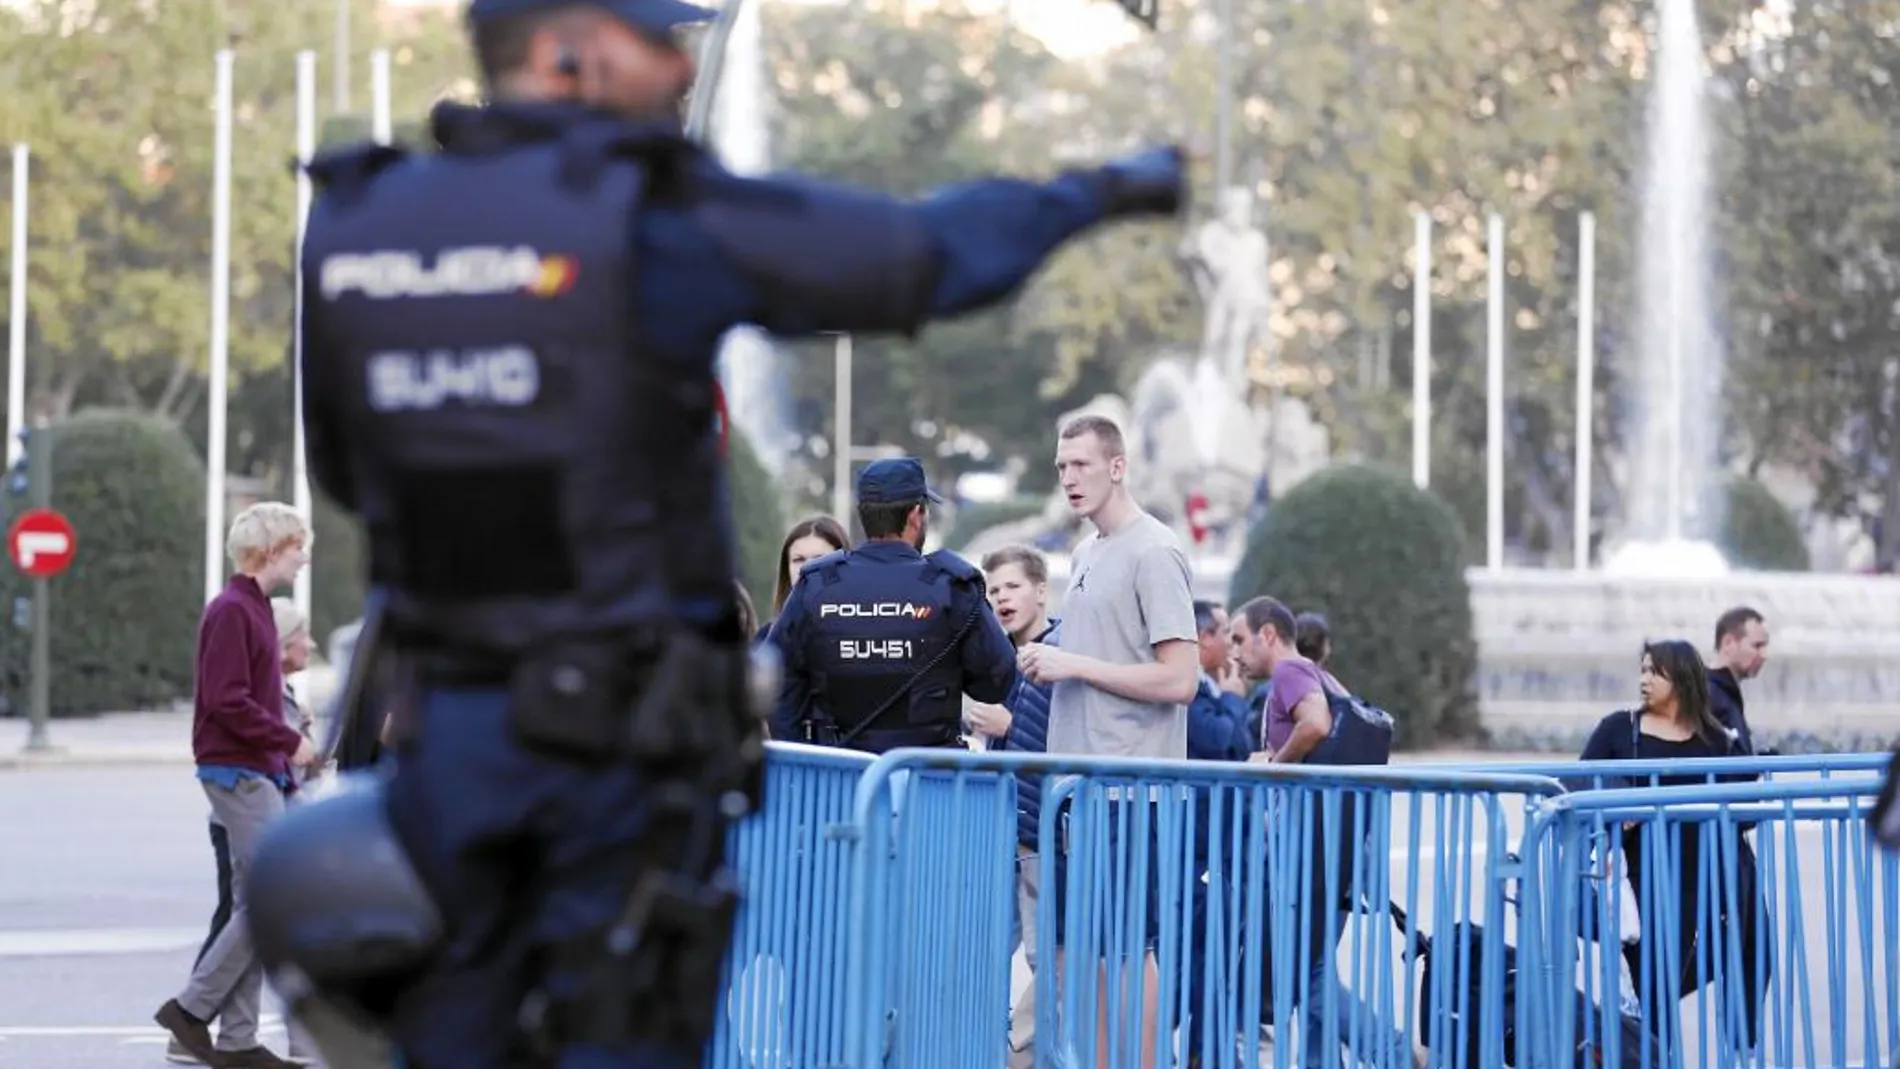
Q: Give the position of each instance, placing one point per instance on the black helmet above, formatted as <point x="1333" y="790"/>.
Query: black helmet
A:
<point x="338" y="915"/>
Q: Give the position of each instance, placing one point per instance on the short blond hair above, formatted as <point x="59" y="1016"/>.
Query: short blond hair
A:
<point x="262" y="530"/>
<point x="288" y="618"/>
<point x="1104" y="429"/>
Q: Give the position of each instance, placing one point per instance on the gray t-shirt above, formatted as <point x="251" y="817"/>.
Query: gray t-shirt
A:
<point x="1127" y="593"/>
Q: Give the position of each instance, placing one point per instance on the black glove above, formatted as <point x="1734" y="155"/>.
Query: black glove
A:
<point x="1153" y="182"/>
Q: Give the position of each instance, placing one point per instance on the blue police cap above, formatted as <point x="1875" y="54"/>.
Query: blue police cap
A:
<point x="892" y="481"/>
<point x="653" y="16"/>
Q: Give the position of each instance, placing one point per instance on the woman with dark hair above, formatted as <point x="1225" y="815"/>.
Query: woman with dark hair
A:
<point x="809" y="539"/>
<point x="1676" y="722"/>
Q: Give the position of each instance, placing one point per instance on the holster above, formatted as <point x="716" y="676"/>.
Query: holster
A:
<point x="685" y="715"/>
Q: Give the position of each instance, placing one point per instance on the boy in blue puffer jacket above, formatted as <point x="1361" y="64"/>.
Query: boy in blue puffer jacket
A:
<point x="1019" y="592"/>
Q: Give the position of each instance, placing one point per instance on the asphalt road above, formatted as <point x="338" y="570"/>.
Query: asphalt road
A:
<point x="106" y="888"/>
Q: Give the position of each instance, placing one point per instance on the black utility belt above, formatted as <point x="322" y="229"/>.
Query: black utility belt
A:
<point x="439" y="665"/>
<point x="683" y="700"/>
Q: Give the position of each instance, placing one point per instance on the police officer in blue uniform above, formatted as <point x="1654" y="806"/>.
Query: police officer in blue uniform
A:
<point x="878" y="644"/>
<point x="509" y="371"/>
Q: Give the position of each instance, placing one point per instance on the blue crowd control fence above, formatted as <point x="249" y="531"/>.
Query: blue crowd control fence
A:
<point x="881" y="897"/>
<point x="1180" y="857"/>
<point x="784" y="1004"/>
<point x="929" y="977"/>
<point x="1738" y="924"/>
<point x="1610" y="775"/>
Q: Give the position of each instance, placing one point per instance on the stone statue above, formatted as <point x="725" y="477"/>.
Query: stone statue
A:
<point x="1205" y="452"/>
<point x="1227" y="256"/>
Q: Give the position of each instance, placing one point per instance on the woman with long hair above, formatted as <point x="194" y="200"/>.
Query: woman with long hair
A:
<point x="1677" y="723"/>
<point x="809" y="539"/>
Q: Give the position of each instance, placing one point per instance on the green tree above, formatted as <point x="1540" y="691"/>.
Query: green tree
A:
<point x="902" y="102"/>
<point x="125" y="615"/>
<point x="1817" y="299"/>
<point x="758" y="521"/>
<point x="339" y="567"/>
<point x="116" y="101"/>
<point x="1384" y="561"/>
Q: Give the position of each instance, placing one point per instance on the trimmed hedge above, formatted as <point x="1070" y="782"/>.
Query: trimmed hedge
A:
<point x="1385" y="562"/>
<point x="1758" y="531"/>
<point x="125" y="616"/>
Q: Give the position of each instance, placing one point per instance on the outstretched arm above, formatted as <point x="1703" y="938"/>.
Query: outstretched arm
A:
<point x="828" y="258"/>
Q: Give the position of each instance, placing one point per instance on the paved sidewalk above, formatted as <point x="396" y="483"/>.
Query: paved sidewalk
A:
<point x="113" y="739"/>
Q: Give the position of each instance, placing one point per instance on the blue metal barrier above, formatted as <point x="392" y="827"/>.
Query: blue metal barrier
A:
<point x="880" y="896"/>
<point x="783" y="1006"/>
<point x="1764" y="905"/>
<point x="1610" y="775"/>
<point x="1186" y="858"/>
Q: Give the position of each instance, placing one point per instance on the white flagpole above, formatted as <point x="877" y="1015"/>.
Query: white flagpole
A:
<point x="1422" y="352"/>
<point x="306" y="148"/>
<point x="1494" y="401"/>
<point x="1586" y="383"/>
<point x="16" y="312"/>
<point x="380" y="127"/>
<point x="218" y="398"/>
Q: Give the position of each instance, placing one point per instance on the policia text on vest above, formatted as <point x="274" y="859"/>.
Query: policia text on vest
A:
<point x="880" y="643"/>
<point x="565" y="622"/>
<point x="873" y="649"/>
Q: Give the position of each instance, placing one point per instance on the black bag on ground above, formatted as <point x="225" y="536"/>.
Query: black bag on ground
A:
<point x="1461" y="1009"/>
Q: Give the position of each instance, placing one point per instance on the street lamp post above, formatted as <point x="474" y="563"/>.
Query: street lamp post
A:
<point x="841" y="430"/>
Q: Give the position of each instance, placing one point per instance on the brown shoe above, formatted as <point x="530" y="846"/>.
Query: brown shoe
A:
<point x="254" y="1058"/>
<point x="187" y="1031"/>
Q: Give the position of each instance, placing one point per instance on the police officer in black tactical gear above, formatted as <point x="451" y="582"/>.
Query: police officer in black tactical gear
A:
<point x="509" y="371"/>
<point x="879" y="643"/>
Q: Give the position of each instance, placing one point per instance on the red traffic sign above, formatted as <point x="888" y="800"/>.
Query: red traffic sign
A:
<point x="41" y="543"/>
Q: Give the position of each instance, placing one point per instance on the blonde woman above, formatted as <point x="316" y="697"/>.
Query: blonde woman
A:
<point x="295" y="647"/>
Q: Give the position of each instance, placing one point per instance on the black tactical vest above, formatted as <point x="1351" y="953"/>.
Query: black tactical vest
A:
<point x="874" y="625"/>
<point x="525" y="472"/>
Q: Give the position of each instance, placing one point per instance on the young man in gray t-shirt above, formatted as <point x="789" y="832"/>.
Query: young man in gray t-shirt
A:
<point x="1128" y="665"/>
<point x="1129" y="661"/>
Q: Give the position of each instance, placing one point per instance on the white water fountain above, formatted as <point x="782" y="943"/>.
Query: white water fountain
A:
<point x="1673" y="497"/>
<point x="1558" y="649"/>
<point x="751" y="367"/>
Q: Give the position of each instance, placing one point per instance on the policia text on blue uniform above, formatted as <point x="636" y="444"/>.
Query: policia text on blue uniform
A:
<point x="879" y="643"/>
<point x="528" y="436"/>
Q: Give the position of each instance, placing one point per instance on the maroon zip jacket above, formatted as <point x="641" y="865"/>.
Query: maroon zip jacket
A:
<point x="237" y="712"/>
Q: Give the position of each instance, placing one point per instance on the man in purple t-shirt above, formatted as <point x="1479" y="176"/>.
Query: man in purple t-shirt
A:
<point x="1297" y="719"/>
<point x="1297" y="716"/>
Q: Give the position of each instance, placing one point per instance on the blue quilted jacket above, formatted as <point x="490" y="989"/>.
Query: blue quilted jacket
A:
<point x="1028" y="706"/>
